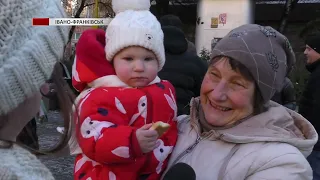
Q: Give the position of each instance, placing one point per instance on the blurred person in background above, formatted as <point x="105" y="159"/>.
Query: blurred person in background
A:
<point x="309" y="106"/>
<point x="173" y="20"/>
<point x="183" y="68"/>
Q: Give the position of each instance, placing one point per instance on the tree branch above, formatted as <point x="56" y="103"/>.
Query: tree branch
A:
<point x="103" y="3"/>
<point x="107" y="6"/>
<point x="77" y="15"/>
<point x="288" y="7"/>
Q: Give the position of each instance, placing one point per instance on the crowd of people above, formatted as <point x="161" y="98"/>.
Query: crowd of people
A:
<point x="233" y="117"/>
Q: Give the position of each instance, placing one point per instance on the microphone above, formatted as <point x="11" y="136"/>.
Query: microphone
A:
<point x="180" y="171"/>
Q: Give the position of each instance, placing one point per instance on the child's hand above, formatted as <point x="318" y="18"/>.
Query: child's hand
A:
<point x="147" y="138"/>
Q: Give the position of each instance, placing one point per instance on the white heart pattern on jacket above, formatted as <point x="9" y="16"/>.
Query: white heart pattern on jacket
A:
<point x="142" y="110"/>
<point x="121" y="151"/>
<point x="83" y="160"/>
<point x="119" y="106"/>
<point x="172" y="102"/>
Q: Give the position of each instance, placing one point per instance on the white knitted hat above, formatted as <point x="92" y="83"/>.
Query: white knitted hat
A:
<point x="27" y="53"/>
<point x="134" y="25"/>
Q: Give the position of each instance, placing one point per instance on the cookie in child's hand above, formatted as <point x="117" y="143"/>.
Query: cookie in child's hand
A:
<point x="160" y="127"/>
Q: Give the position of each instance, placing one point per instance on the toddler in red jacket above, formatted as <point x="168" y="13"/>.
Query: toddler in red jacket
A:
<point x="121" y="96"/>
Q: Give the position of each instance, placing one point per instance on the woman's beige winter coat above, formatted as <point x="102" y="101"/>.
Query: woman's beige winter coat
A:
<point x="269" y="146"/>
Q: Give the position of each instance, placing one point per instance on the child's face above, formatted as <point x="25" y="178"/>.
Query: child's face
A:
<point x="136" y="66"/>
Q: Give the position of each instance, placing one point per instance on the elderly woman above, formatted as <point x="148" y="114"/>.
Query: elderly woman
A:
<point x="234" y="131"/>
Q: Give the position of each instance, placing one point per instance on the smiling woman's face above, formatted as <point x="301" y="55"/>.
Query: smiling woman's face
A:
<point x="226" y="95"/>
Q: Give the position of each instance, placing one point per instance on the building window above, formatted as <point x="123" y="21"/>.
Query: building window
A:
<point x="77" y="36"/>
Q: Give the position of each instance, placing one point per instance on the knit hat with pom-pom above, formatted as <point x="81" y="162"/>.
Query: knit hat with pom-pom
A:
<point x="134" y="25"/>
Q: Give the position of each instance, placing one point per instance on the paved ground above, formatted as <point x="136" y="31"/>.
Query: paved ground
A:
<point x="61" y="167"/>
